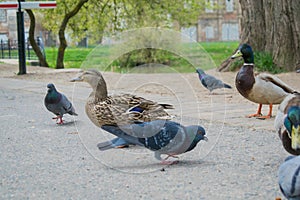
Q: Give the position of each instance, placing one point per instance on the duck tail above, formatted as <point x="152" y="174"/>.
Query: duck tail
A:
<point x="227" y="86"/>
<point x="167" y="106"/>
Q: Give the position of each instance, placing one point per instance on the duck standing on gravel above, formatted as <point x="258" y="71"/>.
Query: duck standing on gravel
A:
<point x="118" y="109"/>
<point x="259" y="88"/>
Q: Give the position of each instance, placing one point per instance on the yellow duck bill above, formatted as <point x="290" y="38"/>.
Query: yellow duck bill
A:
<point x="237" y="54"/>
<point x="296" y="137"/>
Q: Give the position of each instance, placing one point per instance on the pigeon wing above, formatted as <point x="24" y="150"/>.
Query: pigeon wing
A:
<point x="67" y="106"/>
<point x="289" y="178"/>
<point x="213" y="83"/>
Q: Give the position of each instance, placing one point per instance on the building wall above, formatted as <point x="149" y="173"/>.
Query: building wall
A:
<point x="220" y="22"/>
<point x="8" y="24"/>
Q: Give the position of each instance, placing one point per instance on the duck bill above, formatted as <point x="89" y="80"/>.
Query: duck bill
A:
<point x="237" y="54"/>
<point x="77" y="79"/>
<point x="296" y="137"/>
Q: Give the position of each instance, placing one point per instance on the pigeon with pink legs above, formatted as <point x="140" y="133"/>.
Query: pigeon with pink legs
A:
<point x="58" y="103"/>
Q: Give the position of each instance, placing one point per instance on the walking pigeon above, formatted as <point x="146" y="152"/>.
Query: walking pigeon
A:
<point x="210" y="82"/>
<point x="160" y="136"/>
<point x="289" y="178"/>
<point x="58" y="103"/>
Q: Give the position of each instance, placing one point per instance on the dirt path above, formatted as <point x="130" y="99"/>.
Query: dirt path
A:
<point x="42" y="160"/>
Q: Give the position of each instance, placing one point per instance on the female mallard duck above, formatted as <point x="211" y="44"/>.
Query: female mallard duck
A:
<point x="118" y="109"/>
<point x="260" y="88"/>
<point x="287" y="123"/>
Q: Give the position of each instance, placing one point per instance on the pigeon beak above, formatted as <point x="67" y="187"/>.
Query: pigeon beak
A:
<point x="237" y="54"/>
<point x="296" y="137"/>
<point x="205" y="138"/>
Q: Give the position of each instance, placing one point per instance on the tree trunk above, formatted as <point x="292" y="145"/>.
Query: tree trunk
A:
<point x="274" y="27"/>
<point x="61" y="34"/>
<point x="35" y="47"/>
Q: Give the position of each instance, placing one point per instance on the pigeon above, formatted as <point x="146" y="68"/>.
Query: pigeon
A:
<point x="114" y="143"/>
<point x="298" y="71"/>
<point x="58" y="103"/>
<point x="210" y="82"/>
<point x="289" y="177"/>
<point x="160" y="136"/>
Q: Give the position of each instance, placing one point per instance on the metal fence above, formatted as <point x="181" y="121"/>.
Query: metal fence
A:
<point x="9" y="49"/>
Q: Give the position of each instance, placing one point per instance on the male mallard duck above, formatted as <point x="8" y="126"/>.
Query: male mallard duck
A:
<point x="118" y="109"/>
<point x="260" y="88"/>
<point x="287" y="123"/>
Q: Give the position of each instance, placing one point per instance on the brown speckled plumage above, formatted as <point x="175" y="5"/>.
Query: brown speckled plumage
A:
<point x="118" y="109"/>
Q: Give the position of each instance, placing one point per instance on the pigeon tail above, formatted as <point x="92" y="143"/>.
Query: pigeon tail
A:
<point x="115" y="130"/>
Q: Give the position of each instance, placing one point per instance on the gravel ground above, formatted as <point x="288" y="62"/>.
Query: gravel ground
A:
<point x="43" y="160"/>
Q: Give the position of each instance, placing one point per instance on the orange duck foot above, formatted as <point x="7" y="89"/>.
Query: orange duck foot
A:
<point x="254" y="115"/>
<point x="264" y="117"/>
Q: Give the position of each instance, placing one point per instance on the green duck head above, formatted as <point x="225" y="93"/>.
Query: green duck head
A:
<point x="292" y="124"/>
<point x="246" y="52"/>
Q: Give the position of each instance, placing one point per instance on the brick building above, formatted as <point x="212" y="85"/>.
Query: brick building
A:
<point x="221" y="23"/>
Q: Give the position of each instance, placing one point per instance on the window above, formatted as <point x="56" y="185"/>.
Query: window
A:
<point x="229" y="5"/>
<point x="209" y="32"/>
<point x="230" y="31"/>
<point x="2" y="15"/>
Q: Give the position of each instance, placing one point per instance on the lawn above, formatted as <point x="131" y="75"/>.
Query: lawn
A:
<point x="214" y="53"/>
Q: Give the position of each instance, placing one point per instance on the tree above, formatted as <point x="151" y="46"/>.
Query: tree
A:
<point x="32" y="41"/>
<point x="274" y="27"/>
<point x="65" y="10"/>
<point x="94" y="17"/>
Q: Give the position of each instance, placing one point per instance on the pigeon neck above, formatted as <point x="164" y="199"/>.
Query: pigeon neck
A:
<point x="200" y="75"/>
<point x="53" y="97"/>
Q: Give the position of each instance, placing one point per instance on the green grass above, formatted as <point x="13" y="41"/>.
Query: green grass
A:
<point x="219" y="51"/>
<point x="73" y="56"/>
<point x="214" y="54"/>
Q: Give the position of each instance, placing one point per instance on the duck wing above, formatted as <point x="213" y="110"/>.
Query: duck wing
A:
<point x="276" y="81"/>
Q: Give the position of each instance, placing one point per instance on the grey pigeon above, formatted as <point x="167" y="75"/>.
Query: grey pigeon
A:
<point x="289" y="178"/>
<point x="160" y="136"/>
<point x="210" y="82"/>
<point x="58" y="103"/>
<point x="114" y="143"/>
<point x="298" y="71"/>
